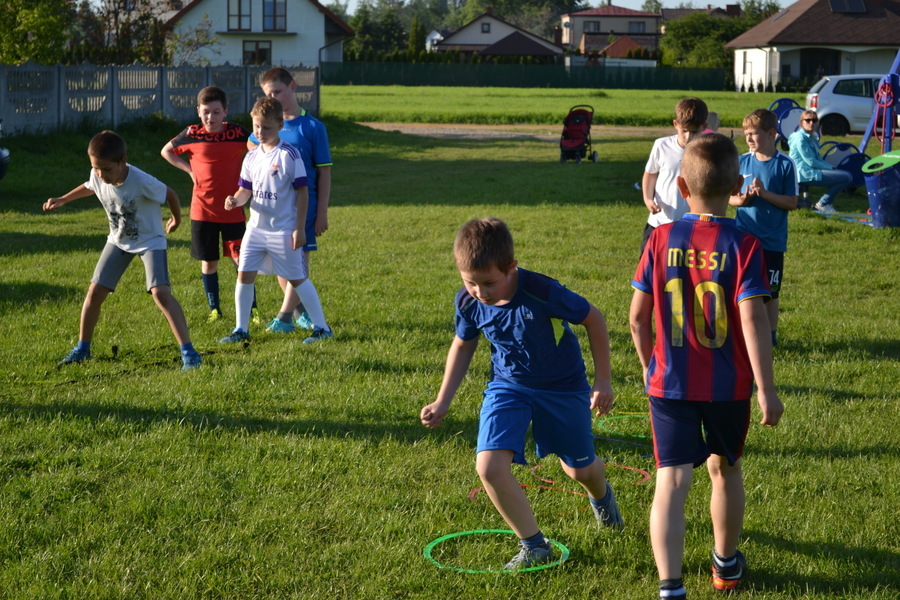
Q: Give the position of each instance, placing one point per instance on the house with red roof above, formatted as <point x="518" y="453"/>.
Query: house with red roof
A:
<point x="590" y="30"/>
<point x="811" y="38"/>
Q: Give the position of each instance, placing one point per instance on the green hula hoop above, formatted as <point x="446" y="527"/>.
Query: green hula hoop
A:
<point x="601" y="422"/>
<point x="564" y="554"/>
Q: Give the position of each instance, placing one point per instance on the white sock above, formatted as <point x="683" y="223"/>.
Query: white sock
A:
<point x="308" y="295"/>
<point x="243" y="302"/>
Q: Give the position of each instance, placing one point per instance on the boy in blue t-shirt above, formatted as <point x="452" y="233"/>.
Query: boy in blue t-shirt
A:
<point x="769" y="192"/>
<point x="538" y="377"/>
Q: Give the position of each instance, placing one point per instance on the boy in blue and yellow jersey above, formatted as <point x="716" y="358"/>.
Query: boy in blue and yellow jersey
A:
<point x="703" y="282"/>
<point x="538" y="378"/>
<point x="768" y="193"/>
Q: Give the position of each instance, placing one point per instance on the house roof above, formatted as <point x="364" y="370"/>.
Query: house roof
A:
<point x="329" y="16"/>
<point x="517" y="44"/>
<point x="812" y="23"/>
<point x="621" y="47"/>
<point x="612" y="11"/>
<point x="448" y="44"/>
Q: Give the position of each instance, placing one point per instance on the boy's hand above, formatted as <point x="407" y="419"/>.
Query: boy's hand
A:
<point x="298" y="239"/>
<point x="651" y="205"/>
<point x="771" y="407"/>
<point x="53" y="203"/>
<point x="602" y="397"/>
<point x="756" y="188"/>
<point x="321" y="223"/>
<point x="230" y="203"/>
<point x="172" y="224"/>
<point x="432" y="415"/>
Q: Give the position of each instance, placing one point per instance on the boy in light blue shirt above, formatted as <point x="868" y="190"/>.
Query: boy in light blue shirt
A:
<point x="770" y="190"/>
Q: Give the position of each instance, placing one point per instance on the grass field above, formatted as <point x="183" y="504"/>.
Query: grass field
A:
<point x="286" y="471"/>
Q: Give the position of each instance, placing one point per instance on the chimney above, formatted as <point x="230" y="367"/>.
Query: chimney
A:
<point x="489" y="10"/>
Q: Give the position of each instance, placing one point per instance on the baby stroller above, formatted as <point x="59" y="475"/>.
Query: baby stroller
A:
<point x="4" y="154"/>
<point x="575" y="143"/>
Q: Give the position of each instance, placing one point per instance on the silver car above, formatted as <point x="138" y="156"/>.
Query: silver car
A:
<point x="844" y="103"/>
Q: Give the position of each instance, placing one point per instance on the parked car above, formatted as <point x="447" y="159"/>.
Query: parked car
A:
<point x="844" y="103"/>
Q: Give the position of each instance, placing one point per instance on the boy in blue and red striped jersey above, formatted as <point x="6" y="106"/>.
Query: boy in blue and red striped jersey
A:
<point x="703" y="282"/>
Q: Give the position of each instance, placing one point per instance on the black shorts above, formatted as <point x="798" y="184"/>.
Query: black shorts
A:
<point x="648" y="230"/>
<point x="775" y="266"/>
<point x="688" y="431"/>
<point x="205" y="239"/>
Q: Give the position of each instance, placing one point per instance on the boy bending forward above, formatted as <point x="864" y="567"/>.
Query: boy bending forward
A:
<point x="538" y="377"/>
<point x="703" y="282"/>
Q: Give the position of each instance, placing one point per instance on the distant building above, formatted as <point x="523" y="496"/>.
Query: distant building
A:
<point x="590" y="30"/>
<point x="811" y="38"/>
<point x="488" y="35"/>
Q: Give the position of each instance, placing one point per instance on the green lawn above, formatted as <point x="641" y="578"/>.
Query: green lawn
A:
<point x="288" y="471"/>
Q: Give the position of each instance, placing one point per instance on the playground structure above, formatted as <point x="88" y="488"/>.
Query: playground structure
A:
<point x="882" y="173"/>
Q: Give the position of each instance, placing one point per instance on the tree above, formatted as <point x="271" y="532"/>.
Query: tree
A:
<point x="34" y="30"/>
<point x="416" y="41"/>
<point x="189" y="47"/>
<point x="118" y="32"/>
<point x="652" y="6"/>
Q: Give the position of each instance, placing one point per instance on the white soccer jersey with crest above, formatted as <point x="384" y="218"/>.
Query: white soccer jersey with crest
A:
<point x="272" y="178"/>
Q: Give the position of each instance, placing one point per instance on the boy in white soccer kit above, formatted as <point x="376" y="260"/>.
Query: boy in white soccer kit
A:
<point x="274" y="180"/>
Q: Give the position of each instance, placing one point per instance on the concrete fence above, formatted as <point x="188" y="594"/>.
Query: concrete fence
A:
<point x="36" y="98"/>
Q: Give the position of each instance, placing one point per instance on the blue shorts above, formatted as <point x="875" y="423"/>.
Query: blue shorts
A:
<point x="561" y="423"/>
<point x="688" y="431"/>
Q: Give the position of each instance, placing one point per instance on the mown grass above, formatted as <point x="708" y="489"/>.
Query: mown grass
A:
<point x="504" y="106"/>
<point x="287" y="471"/>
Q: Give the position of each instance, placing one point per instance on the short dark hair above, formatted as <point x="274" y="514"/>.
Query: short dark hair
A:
<point x="483" y="243"/>
<point x="710" y="166"/>
<point x="108" y="145"/>
<point x="276" y="74"/>
<point x="691" y="113"/>
<point x="268" y="108"/>
<point x="210" y="94"/>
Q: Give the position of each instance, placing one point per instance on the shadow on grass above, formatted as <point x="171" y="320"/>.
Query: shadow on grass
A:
<point x="13" y="294"/>
<point x="866" y="349"/>
<point x="15" y="242"/>
<point x="864" y="569"/>
<point x="407" y="429"/>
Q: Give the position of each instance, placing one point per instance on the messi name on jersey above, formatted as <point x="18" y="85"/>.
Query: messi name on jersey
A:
<point x="697" y="259"/>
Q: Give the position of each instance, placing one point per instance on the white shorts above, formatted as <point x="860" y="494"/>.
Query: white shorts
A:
<point x="267" y="253"/>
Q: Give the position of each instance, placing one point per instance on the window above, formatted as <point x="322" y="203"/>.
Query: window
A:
<point x="257" y="53"/>
<point x="238" y="15"/>
<point x="592" y="26"/>
<point x="636" y="27"/>
<point x="274" y="15"/>
<point x="485" y="28"/>
<point x="854" y="87"/>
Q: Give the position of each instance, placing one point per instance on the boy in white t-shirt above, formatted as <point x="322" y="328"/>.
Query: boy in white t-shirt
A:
<point x="664" y="164"/>
<point x="274" y="180"/>
<point x="132" y="200"/>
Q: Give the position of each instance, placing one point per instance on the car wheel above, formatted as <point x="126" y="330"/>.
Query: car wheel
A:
<point x="835" y="125"/>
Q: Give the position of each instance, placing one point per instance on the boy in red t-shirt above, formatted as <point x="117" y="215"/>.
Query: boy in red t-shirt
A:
<point x="214" y="150"/>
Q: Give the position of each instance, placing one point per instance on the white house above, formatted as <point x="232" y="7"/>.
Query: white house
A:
<point x="590" y="30"/>
<point x="811" y="38"/>
<point x="489" y="35"/>
<point x="266" y="32"/>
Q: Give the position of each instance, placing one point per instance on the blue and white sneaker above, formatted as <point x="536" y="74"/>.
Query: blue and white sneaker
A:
<point x="279" y="326"/>
<point x="191" y="360"/>
<point x="318" y="334"/>
<point x="238" y="335"/>
<point x="75" y="356"/>
<point x="304" y="321"/>
<point x="609" y="515"/>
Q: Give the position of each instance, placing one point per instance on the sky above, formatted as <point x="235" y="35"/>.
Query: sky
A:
<point x="635" y="4"/>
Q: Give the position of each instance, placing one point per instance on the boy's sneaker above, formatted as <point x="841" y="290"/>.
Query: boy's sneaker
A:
<point x="191" y="360"/>
<point x="318" y="334"/>
<point x="255" y="317"/>
<point x="238" y="335"/>
<point x="531" y="557"/>
<point x="214" y="315"/>
<point x="304" y="321"/>
<point x="727" y="578"/>
<point x="609" y="515"/>
<point x="825" y="209"/>
<point x="279" y="326"/>
<point x="75" y="356"/>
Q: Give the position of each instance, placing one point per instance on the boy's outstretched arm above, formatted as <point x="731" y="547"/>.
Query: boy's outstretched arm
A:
<point x="175" y="208"/>
<point x="240" y="198"/>
<point x="80" y="192"/>
<point x="458" y="360"/>
<point x="640" y="318"/>
<point x="758" y="337"/>
<point x="598" y="337"/>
